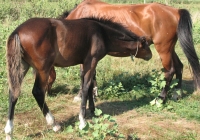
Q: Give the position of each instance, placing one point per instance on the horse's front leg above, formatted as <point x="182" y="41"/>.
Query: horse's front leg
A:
<point x="89" y="69"/>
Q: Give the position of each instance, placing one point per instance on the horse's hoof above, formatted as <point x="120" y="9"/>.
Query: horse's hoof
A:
<point x="77" y="99"/>
<point x="56" y="128"/>
<point x="9" y="129"/>
<point x="82" y="125"/>
<point x="8" y="137"/>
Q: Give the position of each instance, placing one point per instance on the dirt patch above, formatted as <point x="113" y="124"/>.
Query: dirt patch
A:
<point x="164" y="125"/>
<point x="156" y="126"/>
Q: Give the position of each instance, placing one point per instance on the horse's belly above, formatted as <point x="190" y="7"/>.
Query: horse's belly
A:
<point x="66" y="62"/>
<point x="119" y="54"/>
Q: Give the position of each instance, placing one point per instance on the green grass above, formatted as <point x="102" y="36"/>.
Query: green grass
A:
<point x="124" y="80"/>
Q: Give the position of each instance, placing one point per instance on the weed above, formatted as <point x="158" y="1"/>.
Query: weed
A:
<point x="101" y="126"/>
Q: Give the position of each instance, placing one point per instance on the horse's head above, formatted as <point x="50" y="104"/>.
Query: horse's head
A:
<point x="144" y="51"/>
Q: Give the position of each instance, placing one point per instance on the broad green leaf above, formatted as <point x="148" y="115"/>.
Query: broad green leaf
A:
<point x="153" y="102"/>
<point x="169" y="107"/>
<point x="97" y="112"/>
<point x="121" y="136"/>
<point x="162" y="84"/>
<point x="106" y="116"/>
<point x="69" y="129"/>
<point x="95" y="134"/>
<point x="105" y="127"/>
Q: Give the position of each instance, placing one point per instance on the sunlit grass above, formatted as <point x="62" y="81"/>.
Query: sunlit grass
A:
<point x="133" y="112"/>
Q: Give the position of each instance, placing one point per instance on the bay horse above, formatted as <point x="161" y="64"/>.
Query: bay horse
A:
<point x="162" y="25"/>
<point x="42" y="43"/>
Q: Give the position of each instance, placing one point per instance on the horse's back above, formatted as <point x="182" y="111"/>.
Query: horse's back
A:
<point x="143" y="19"/>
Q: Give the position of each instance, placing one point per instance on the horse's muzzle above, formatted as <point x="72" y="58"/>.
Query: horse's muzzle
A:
<point x="148" y="57"/>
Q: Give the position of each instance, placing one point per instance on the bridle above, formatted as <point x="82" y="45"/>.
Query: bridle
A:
<point x="133" y="56"/>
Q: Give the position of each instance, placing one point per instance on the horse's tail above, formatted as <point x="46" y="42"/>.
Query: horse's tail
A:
<point x="14" y="64"/>
<point x="184" y="32"/>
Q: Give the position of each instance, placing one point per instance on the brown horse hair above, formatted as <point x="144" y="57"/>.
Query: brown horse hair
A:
<point x="14" y="65"/>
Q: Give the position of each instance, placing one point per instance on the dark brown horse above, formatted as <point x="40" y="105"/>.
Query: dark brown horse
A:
<point x="42" y="43"/>
<point x="162" y="25"/>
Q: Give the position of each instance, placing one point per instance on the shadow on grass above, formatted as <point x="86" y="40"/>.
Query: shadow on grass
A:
<point x="117" y="107"/>
<point x="63" y="89"/>
<point x="137" y="87"/>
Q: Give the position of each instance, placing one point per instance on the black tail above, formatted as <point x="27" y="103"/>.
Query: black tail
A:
<point x="184" y="32"/>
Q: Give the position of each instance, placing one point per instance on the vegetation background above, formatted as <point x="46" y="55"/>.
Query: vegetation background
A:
<point x="125" y="88"/>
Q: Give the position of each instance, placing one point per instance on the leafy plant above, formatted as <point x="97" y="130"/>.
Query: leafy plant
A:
<point x="99" y="128"/>
<point x="157" y="81"/>
<point x="114" y="89"/>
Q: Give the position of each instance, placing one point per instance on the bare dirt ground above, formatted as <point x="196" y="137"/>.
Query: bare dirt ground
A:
<point x="149" y="126"/>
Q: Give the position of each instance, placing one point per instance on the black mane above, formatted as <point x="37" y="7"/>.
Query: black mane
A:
<point x="115" y="26"/>
<point x="66" y="13"/>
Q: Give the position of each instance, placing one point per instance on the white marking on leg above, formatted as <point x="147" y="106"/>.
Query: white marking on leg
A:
<point x="9" y="129"/>
<point x="82" y="122"/>
<point x="51" y="121"/>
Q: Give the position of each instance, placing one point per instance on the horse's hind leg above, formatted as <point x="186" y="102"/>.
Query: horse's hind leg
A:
<point x="13" y="97"/>
<point x="87" y="91"/>
<point x="39" y="94"/>
<point x="52" y="78"/>
<point x="178" y="70"/>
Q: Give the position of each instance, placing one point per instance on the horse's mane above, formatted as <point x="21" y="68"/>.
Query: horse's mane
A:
<point x="118" y="27"/>
<point x="66" y="13"/>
